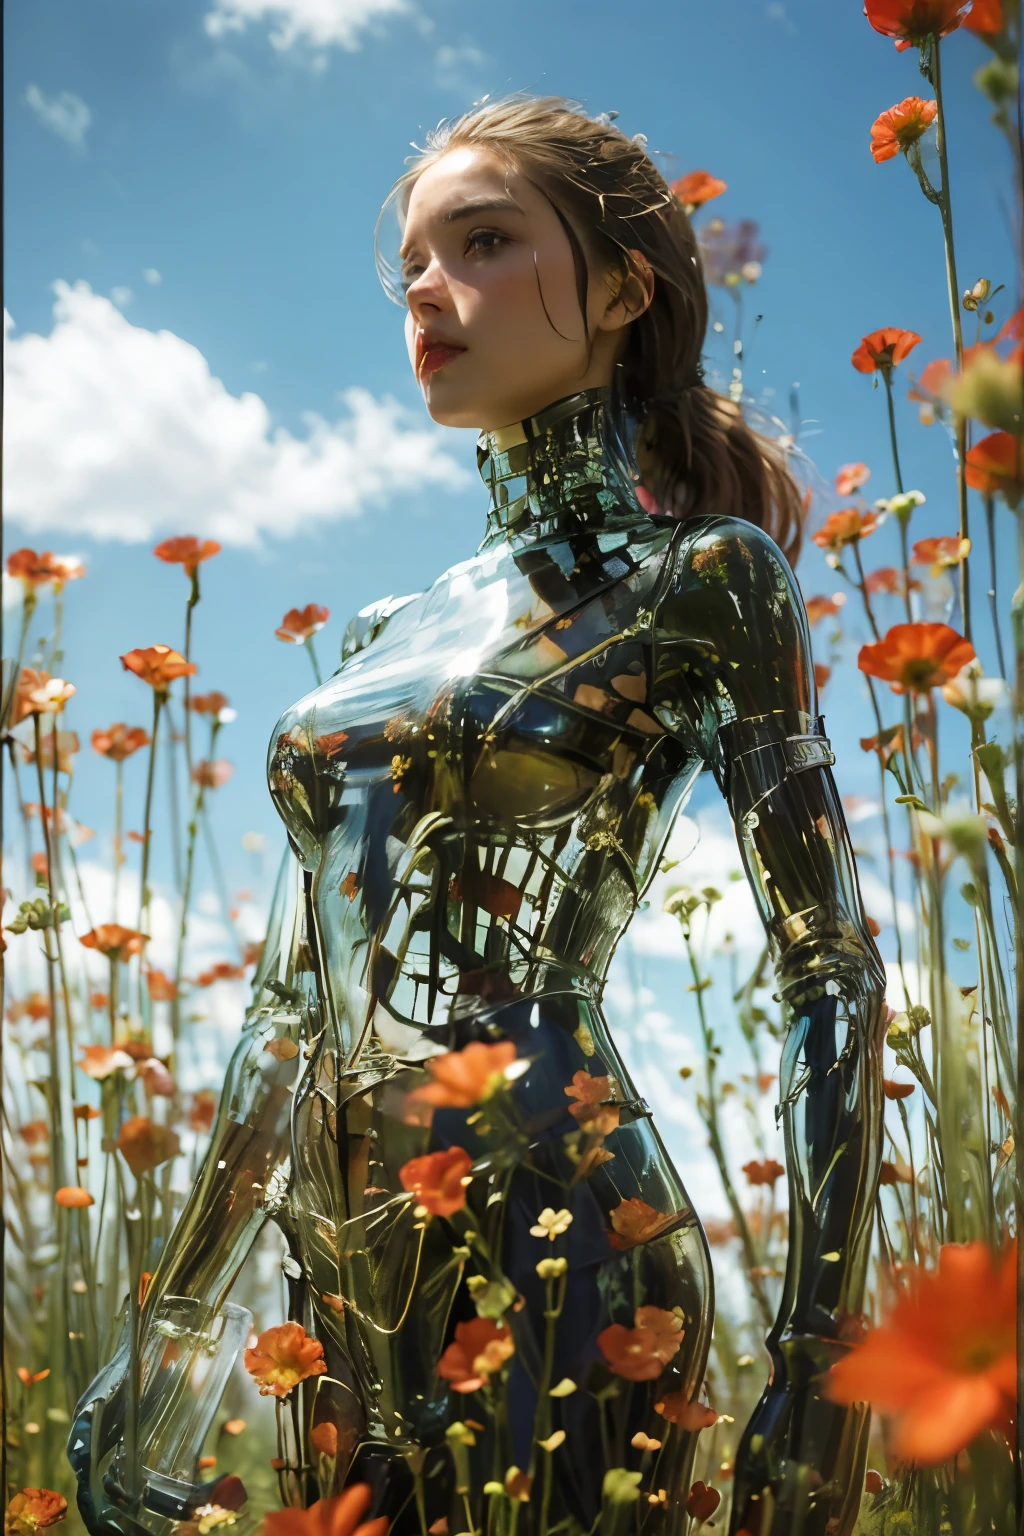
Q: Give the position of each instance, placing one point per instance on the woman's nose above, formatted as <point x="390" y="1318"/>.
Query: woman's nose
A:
<point x="428" y="290"/>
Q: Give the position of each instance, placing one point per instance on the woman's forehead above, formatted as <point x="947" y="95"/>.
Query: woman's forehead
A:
<point x="465" y="176"/>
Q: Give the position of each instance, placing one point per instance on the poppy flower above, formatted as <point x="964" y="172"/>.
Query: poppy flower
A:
<point x="592" y="1112"/>
<point x="850" y="478"/>
<point x="300" y="624"/>
<point x="901" y="127"/>
<point x="161" y="988"/>
<point x="930" y="389"/>
<point x="340" y="1516"/>
<point x="912" y="22"/>
<point x="634" y="1222"/>
<point x="208" y="703"/>
<point x="697" y="188"/>
<point x="984" y="18"/>
<point x="996" y="465"/>
<point x="913" y="658"/>
<point x="158" y="665"/>
<point x="642" y="1352"/>
<point x="765" y="1172"/>
<point x="887" y="579"/>
<point x="845" y="527"/>
<point x="119" y="741"/>
<point x="212" y="775"/>
<point x="144" y="1145"/>
<point x="894" y="1090"/>
<point x="677" y="1408"/>
<point x="282" y="1357"/>
<point x="33" y="1509"/>
<point x="73" y="1197"/>
<point x="187" y="551"/>
<point x="101" y="1061"/>
<point x="223" y="970"/>
<point x="882" y="350"/>
<point x="436" y="1180"/>
<point x="480" y="1348"/>
<point x="33" y="1132"/>
<point x="29" y="1378"/>
<point x="940" y="553"/>
<point x="702" y="1501"/>
<point x="460" y="1079"/>
<point x="114" y="941"/>
<point x="944" y="1363"/>
<point x="201" y="1113"/>
<point x="819" y="608"/>
<point x="37" y="693"/>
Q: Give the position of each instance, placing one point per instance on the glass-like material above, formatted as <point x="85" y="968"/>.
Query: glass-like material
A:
<point x="477" y="801"/>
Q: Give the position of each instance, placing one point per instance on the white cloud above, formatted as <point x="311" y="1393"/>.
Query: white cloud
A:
<point x="118" y="432"/>
<point x="151" y="275"/>
<point x="317" y="23"/>
<point x="121" y="296"/>
<point x="65" y="115"/>
<point x="455" y="68"/>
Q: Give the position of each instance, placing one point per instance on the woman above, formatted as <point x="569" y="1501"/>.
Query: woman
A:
<point x="510" y="1283"/>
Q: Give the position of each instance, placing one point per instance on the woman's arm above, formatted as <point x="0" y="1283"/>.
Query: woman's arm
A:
<point x="733" y="667"/>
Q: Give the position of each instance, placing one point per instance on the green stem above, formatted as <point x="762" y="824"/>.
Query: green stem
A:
<point x="158" y="700"/>
<point x="886" y="373"/>
<point x="313" y="660"/>
<point x="193" y="598"/>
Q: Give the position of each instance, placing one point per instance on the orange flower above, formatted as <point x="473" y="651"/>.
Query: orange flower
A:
<point x="822" y="673"/>
<point x="845" y="527"/>
<point x="985" y="17"/>
<point x="324" y="1438"/>
<point x="119" y="741"/>
<point x="883" y="349"/>
<point x="940" y="553"/>
<point x="32" y="1510"/>
<point x="158" y="665"/>
<point x="678" y="1409"/>
<point x="886" y="579"/>
<point x="222" y="971"/>
<point x="850" y="478"/>
<point x="634" y="1222"/>
<point x="35" y="1006"/>
<point x="144" y="1146"/>
<point x="436" y="1180"/>
<point x="592" y="1112"/>
<point x="901" y="127"/>
<point x="914" y="658"/>
<point x="995" y="465"/>
<point x="702" y="1501"/>
<point x="299" y="624"/>
<point x="101" y="1061"/>
<point x="33" y="1132"/>
<point x="32" y="570"/>
<point x="894" y="1173"/>
<point x="63" y="743"/>
<point x="208" y="703"/>
<point x="642" y="1352"/>
<point x="697" y="188"/>
<point x="480" y="1348"/>
<point x="894" y="1090"/>
<point x="73" y="1197"/>
<point x="460" y="1079"/>
<point x="339" y="1516"/>
<point x="930" y="388"/>
<point x="819" y="608"/>
<point x="200" y="1116"/>
<point x="765" y="1172"/>
<point x="161" y="987"/>
<point x="29" y="1378"/>
<point x="911" y="22"/>
<point x="944" y="1363"/>
<point x="115" y="942"/>
<point x="37" y="693"/>
<point x="188" y="551"/>
<point x="211" y="775"/>
<point x="282" y="1357"/>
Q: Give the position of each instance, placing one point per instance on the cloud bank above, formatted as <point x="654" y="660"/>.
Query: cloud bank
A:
<point x="117" y="432"/>
<point x="316" y="23"/>
<point x="66" y="115"/>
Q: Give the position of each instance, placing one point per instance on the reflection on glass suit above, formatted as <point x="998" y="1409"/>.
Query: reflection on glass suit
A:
<point x="476" y="802"/>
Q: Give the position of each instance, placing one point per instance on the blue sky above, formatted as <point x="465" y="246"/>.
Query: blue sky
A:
<point x="212" y="170"/>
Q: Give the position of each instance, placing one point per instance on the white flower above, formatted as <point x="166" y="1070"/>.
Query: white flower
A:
<point x="551" y="1223"/>
<point x="975" y="695"/>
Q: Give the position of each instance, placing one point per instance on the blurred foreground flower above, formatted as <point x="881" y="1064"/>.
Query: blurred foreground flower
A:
<point x="341" y="1516"/>
<point x="845" y="527"/>
<point x="115" y="942"/>
<point x="697" y="188"/>
<point x="912" y="22"/>
<point x="37" y="693"/>
<point x="33" y="1509"/>
<point x="282" y="1357"/>
<point x="899" y="128"/>
<point x="914" y="658"/>
<point x="187" y="551"/>
<point x="944" y="1364"/>
<point x="480" y="1348"/>
<point x="995" y="466"/>
<point x="119" y="741"/>
<point x="299" y="624"/>
<point x="144" y="1145"/>
<point x="642" y="1352"/>
<point x="460" y="1079"/>
<point x="850" y="478"/>
<point x="436" y="1180"/>
<point x="212" y="775"/>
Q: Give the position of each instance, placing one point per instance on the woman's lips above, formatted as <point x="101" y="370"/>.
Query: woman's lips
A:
<point x="436" y="356"/>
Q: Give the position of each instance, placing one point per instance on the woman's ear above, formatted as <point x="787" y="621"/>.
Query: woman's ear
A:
<point x="629" y="294"/>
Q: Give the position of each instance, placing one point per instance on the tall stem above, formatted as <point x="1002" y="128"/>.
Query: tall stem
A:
<point x="313" y="661"/>
<point x="887" y="381"/>
<point x="1017" y="611"/>
<point x="158" y="700"/>
<point x="118" y="835"/>
<point x="193" y="598"/>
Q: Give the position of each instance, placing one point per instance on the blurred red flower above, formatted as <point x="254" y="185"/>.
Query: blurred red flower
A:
<point x="208" y="703"/>
<point x="119" y="741"/>
<point x="340" y="1516"/>
<point x="910" y="22"/>
<point x="850" y="478"/>
<point x="913" y="658"/>
<point x="158" y="665"/>
<point x="697" y="187"/>
<point x="985" y="17"/>
<point x="187" y="551"/>
<point x="882" y="350"/>
<point x="211" y="775"/>
<point x="114" y="941"/>
<point x="436" y="1180"/>
<point x="845" y="527"/>
<point x="299" y="624"/>
<point x="996" y="465"/>
<point x="480" y="1348"/>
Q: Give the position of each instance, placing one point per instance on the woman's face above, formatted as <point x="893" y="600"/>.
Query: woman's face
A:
<point x="484" y="255"/>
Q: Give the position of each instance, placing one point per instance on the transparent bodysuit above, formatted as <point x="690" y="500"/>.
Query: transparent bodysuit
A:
<point x="477" y="800"/>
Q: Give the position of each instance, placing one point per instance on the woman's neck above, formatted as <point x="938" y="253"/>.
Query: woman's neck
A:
<point x="557" y="473"/>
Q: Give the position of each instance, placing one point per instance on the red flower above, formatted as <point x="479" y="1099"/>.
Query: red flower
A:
<point x="944" y="1364"/>
<point x="886" y="579"/>
<point x="940" y="553"/>
<point x="845" y="527"/>
<point x="460" y="1079"/>
<point x="282" y="1357"/>
<point x="678" y="1409"/>
<point x="187" y="551"/>
<point x="158" y="665"/>
<point x="850" y="478"/>
<point x="765" y="1172"/>
<point x="73" y="1197"/>
<point x="913" y="658"/>
<point x="212" y="775"/>
<point x="901" y="127"/>
<point x="996" y="464"/>
<point x="299" y="624"/>
<point x="436" y="1180"/>
<point x="144" y="1145"/>
<point x="634" y="1222"/>
<point x="819" y="608"/>
<point x="911" y="22"/>
<point x="161" y="987"/>
<point x="642" y="1352"/>
<point x="894" y="1090"/>
<point x="119" y="741"/>
<point x="200" y="1116"/>
<point x="115" y="942"/>
<point x="696" y="188"/>
<point x="985" y="17"/>
<point x="592" y="1111"/>
<point x="883" y="349"/>
<point x="32" y="570"/>
<point x="33" y="1509"/>
<point x="702" y="1502"/>
<point x="340" y="1516"/>
<point x="223" y="970"/>
<point x="208" y="703"/>
<point x="480" y="1348"/>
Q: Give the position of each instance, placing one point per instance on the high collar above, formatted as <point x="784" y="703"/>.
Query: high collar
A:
<point x="557" y="473"/>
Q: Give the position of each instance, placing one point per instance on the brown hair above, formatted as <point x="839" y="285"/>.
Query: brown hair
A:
<point x="696" y="454"/>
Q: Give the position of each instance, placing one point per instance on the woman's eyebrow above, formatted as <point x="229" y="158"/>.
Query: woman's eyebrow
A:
<point x="467" y="210"/>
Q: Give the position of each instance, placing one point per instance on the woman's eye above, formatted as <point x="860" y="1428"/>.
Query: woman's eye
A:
<point x="409" y="276"/>
<point x="485" y="240"/>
